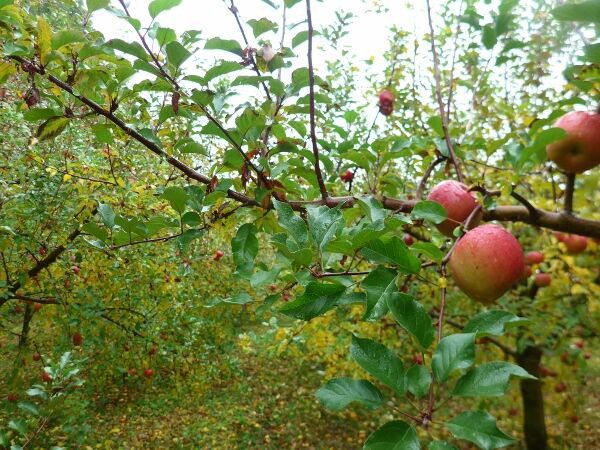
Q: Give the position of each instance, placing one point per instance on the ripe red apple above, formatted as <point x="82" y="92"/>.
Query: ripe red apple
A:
<point x="579" y="344"/>
<point x="486" y="262"/>
<point x="559" y="236"/>
<point x="36" y="356"/>
<point x="12" y="397"/>
<point x="126" y="347"/>
<point x="526" y="272"/>
<point x="574" y="419"/>
<point x="46" y="378"/>
<point x="418" y="359"/>
<point x="457" y="201"/>
<point x="42" y="251"/>
<point x="546" y="372"/>
<point x="148" y="373"/>
<point x="37" y="307"/>
<point x="566" y="358"/>
<point x="347" y="176"/>
<point x="580" y="149"/>
<point x="542" y="279"/>
<point x="575" y="244"/>
<point x="153" y="351"/>
<point x="132" y="372"/>
<point x="218" y="255"/>
<point x="18" y="310"/>
<point x="534" y="258"/>
<point x="77" y="339"/>
<point x="587" y="355"/>
<point x="75" y="269"/>
<point x="408" y="239"/>
<point x="386" y="102"/>
<point x="273" y="287"/>
<point x="560" y="387"/>
<point x="285" y="296"/>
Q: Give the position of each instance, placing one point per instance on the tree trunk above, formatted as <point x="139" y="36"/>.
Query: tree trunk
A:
<point x="26" y="321"/>
<point x="534" y="424"/>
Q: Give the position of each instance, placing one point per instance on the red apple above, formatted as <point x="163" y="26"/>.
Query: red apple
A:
<point x="575" y="244"/>
<point x="37" y="306"/>
<point x="126" y="347"/>
<point x="526" y="272"/>
<point x="285" y="296"/>
<point x="542" y="279"/>
<point x="132" y="372"/>
<point x="77" y="339"/>
<point x="153" y="351"/>
<point x="579" y="344"/>
<point x="513" y="412"/>
<point x="560" y="387"/>
<point x="587" y="355"/>
<point x="418" y="359"/>
<point x="36" y="356"/>
<point x="408" y="239"/>
<point x="486" y="262"/>
<point x="273" y="287"/>
<point x="546" y="372"/>
<point x="46" y="378"/>
<point x="534" y="258"/>
<point x="148" y="373"/>
<point x="574" y="419"/>
<point x="458" y="202"/>
<point x="580" y="149"/>
<point x="75" y="270"/>
<point x="42" y="251"/>
<point x="386" y="102"/>
<point x="218" y="255"/>
<point x="12" y="397"/>
<point x="559" y="236"/>
<point x="18" y="310"/>
<point x="347" y="176"/>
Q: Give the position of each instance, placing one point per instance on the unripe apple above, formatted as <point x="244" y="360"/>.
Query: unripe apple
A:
<point x="218" y="255"/>
<point x="408" y="239"/>
<point x="77" y="339"/>
<point x="575" y="244"/>
<point x="534" y="258"/>
<point x="347" y="176"/>
<point x="542" y="279"/>
<point x="486" y="262"/>
<point x="268" y="53"/>
<point x="148" y="373"/>
<point x="12" y="397"/>
<point x="456" y="200"/>
<point x="46" y="378"/>
<point x="580" y="149"/>
<point x="36" y="356"/>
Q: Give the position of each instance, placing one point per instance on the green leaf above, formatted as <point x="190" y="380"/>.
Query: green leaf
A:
<point x="19" y="425"/>
<point x="379" y="285"/>
<point x="52" y="128"/>
<point x="441" y="445"/>
<point x="454" y="352"/>
<point x="293" y="224"/>
<point x="429" y="210"/>
<point x="435" y="122"/>
<point x="35" y="114"/>
<point x="493" y="322"/>
<point x="299" y="38"/>
<point x="393" y="251"/>
<point x="224" y="44"/>
<point x="221" y="69"/>
<point x="107" y="214"/>
<point x="323" y="222"/>
<point x="428" y="249"/>
<point x="3" y="439"/>
<point x="394" y="435"/>
<point x="588" y="11"/>
<point x="338" y="393"/>
<point x="66" y="37"/>
<point x="489" y="37"/>
<point x="489" y="380"/>
<point x="380" y="362"/>
<point x="29" y="408"/>
<point x="130" y="48"/>
<point x="177" y="54"/>
<point x="480" y="428"/>
<point x="242" y="298"/>
<point x="262" y="26"/>
<point x="317" y="299"/>
<point x="372" y="208"/>
<point x="158" y="6"/>
<point x="592" y="53"/>
<point x="94" y="5"/>
<point x="177" y="198"/>
<point x="418" y="380"/>
<point x="245" y="246"/>
<point x="413" y="317"/>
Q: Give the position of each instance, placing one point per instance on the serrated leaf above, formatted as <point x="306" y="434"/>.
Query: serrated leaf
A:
<point x="52" y="128"/>
<point x="224" y="44"/>
<point x="338" y="393"/>
<point x="177" y="54"/>
<point x="107" y="214"/>
<point x="454" y="352"/>
<point x="66" y="37"/>
<point x="262" y="26"/>
<point x="95" y="5"/>
<point x="244" y="246"/>
<point x="19" y="425"/>
<point x="418" y="380"/>
<point x="130" y="48"/>
<point x="224" y="67"/>
<point x="489" y="37"/>
<point x="413" y="317"/>
<point x="317" y="299"/>
<point x="379" y="285"/>
<point x="323" y="222"/>
<point x="587" y="11"/>
<point x="394" y="435"/>
<point x="492" y="322"/>
<point x="380" y="362"/>
<point x="480" y="428"/>
<point x="158" y="6"/>
<point x="29" y="408"/>
<point x="392" y="251"/>
<point x="44" y="38"/>
<point x="177" y="198"/>
<point x="293" y="224"/>
<point x="429" y="210"/>
<point x="489" y="380"/>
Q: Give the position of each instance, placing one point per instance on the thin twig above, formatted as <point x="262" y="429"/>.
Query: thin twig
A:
<point x="426" y="175"/>
<point x="569" y="192"/>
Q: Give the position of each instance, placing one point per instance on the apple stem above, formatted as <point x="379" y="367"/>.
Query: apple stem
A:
<point x="569" y="192"/>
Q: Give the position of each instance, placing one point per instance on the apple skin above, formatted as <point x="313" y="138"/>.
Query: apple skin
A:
<point x="77" y="339"/>
<point x="36" y="357"/>
<point x="534" y="258"/>
<point x="408" y="239"/>
<point x="218" y="255"/>
<point x="575" y="244"/>
<point x="148" y="373"/>
<point x="386" y="102"/>
<point x="526" y="272"/>
<point x="457" y="201"/>
<point x="37" y="306"/>
<point x="347" y="176"/>
<point x="580" y="149"/>
<point x="46" y="378"/>
<point x="542" y="279"/>
<point x="12" y="397"/>
<point x="486" y="262"/>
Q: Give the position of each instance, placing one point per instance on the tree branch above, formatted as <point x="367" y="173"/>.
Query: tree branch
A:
<point x="313" y="133"/>
<point x="569" y="192"/>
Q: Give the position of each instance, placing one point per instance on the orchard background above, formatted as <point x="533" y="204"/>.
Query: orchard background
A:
<point x="260" y="240"/>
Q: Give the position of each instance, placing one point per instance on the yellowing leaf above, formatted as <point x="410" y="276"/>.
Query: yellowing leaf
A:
<point x="44" y="38"/>
<point x="67" y="177"/>
<point x="443" y="282"/>
<point x="120" y="182"/>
